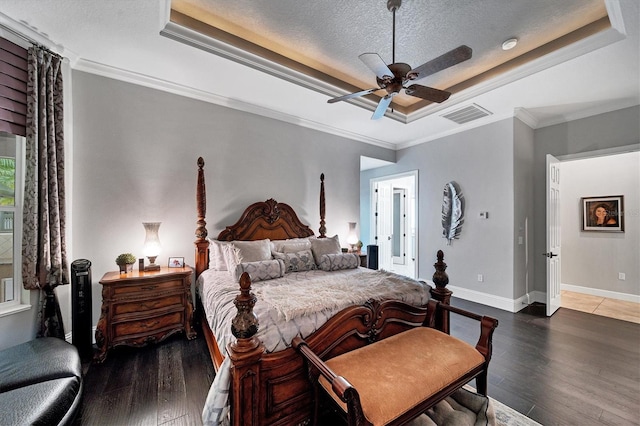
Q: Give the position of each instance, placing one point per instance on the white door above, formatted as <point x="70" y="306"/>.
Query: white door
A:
<point x="553" y="234"/>
<point x="384" y="213"/>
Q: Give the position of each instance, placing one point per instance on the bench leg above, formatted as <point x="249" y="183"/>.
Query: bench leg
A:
<point x="481" y="383"/>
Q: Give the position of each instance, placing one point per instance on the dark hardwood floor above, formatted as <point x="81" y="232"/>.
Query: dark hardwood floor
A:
<point x="571" y="369"/>
<point x="163" y="384"/>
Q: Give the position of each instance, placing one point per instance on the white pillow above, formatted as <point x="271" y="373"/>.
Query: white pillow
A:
<point x="322" y="246"/>
<point x="253" y="251"/>
<point x="216" y="255"/>
<point x="292" y="245"/>
<point x="231" y="257"/>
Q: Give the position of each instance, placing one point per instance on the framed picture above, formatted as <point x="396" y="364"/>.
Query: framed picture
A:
<point x="603" y="214"/>
<point x="176" y="262"/>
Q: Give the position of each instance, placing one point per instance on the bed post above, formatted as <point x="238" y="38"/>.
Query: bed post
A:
<point x="202" y="244"/>
<point x="323" y="228"/>
<point x="245" y="354"/>
<point x="441" y="293"/>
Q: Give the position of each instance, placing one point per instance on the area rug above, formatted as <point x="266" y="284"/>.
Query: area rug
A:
<point x="465" y="407"/>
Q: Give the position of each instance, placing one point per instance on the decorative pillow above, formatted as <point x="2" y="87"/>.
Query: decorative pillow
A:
<point x="297" y="262"/>
<point x="253" y="251"/>
<point x="321" y="246"/>
<point x="231" y="257"/>
<point x="262" y="270"/>
<point x="216" y="256"/>
<point x="291" y="245"/>
<point x="335" y="262"/>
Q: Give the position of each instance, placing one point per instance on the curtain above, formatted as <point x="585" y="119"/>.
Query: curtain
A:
<point x="44" y="259"/>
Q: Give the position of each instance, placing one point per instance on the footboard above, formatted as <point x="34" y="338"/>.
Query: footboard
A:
<point x="275" y="389"/>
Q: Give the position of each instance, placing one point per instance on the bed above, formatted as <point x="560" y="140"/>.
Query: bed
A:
<point x="249" y="325"/>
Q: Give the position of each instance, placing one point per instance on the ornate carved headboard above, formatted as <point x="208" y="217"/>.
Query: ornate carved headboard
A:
<point x="265" y="219"/>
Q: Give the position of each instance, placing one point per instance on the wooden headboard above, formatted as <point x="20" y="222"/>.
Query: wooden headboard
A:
<point x="266" y="219"/>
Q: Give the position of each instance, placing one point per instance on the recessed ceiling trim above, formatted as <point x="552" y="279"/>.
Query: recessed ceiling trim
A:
<point x="608" y="33"/>
<point x="191" y="31"/>
<point x="194" y="33"/>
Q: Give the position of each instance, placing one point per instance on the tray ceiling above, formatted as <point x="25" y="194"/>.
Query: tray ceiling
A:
<point x="321" y="40"/>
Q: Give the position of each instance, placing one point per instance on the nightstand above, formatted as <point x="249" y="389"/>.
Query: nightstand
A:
<point x="144" y="307"/>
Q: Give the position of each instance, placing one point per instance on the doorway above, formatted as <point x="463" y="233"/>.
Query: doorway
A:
<point x="394" y="225"/>
<point x="599" y="268"/>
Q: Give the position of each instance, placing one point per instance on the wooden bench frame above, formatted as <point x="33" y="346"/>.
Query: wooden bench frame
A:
<point x="384" y="312"/>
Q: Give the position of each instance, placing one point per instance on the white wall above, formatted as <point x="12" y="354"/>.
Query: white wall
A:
<point x="594" y="259"/>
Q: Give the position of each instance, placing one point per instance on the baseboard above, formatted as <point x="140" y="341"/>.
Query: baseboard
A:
<point x="68" y="337"/>
<point x="602" y="293"/>
<point x="504" y="303"/>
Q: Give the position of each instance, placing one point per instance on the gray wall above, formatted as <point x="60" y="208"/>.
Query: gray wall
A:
<point x="135" y="152"/>
<point x="481" y="161"/>
<point x="592" y="260"/>
<point x="134" y="160"/>
<point x="614" y="129"/>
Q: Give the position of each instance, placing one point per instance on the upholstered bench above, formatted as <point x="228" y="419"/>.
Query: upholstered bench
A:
<point x="394" y="380"/>
<point x="40" y="383"/>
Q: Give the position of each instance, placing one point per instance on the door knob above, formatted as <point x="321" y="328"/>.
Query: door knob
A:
<point x="549" y="255"/>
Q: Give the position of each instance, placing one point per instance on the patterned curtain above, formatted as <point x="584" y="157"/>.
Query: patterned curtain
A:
<point x="44" y="259"/>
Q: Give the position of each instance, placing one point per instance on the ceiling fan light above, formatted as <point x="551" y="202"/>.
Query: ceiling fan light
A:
<point x="509" y="44"/>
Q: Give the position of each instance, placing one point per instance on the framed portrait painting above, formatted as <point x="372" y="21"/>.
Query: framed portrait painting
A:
<point x="603" y="214"/>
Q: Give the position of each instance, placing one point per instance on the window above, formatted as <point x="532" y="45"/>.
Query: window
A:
<point x="11" y="166"/>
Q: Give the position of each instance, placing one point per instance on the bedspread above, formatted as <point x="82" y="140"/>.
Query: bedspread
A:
<point x="296" y="304"/>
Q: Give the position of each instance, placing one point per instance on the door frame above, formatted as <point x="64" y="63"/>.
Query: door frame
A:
<point x="581" y="156"/>
<point x="411" y="211"/>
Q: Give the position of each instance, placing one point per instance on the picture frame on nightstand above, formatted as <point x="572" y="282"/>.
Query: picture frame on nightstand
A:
<point x="176" y="262"/>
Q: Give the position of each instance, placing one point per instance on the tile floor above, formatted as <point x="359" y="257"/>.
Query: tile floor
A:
<point x="612" y="308"/>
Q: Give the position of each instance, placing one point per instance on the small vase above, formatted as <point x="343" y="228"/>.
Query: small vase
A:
<point x="126" y="268"/>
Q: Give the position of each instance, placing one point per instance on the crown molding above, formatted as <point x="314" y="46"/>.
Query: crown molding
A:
<point x="526" y="117"/>
<point x="120" y="74"/>
<point x="600" y="108"/>
<point x="23" y="34"/>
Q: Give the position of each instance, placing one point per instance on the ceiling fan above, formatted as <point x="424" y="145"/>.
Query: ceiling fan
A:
<point x="398" y="76"/>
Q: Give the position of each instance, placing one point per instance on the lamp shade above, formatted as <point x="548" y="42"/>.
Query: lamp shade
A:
<point x="352" y="237"/>
<point x="151" y="241"/>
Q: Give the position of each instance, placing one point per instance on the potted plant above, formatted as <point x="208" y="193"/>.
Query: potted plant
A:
<point x="125" y="261"/>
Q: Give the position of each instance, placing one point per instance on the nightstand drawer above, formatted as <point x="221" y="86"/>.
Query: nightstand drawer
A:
<point x="147" y="305"/>
<point x="147" y="325"/>
<point x="145" y="288"/>
<point x="143" y="307"/>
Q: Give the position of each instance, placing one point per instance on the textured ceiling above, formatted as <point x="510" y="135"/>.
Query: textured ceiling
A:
<point x="327" y="36"/>
<point x="140" y="42"/>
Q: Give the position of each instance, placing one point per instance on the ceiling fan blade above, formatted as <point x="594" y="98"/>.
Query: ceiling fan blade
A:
<point x="382" y="107"/>
<point x="449" y="59"/>
<point x="428" y="93"/>
<point x="377" y="65"/>
<point x="352" y="95"/>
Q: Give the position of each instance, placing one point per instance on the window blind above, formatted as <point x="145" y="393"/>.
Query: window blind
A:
<point x="13" y="88"/>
